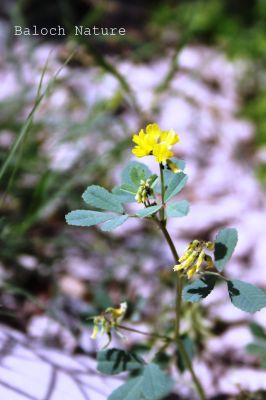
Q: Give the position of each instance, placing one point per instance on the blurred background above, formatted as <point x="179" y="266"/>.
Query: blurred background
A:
<point x="195" y="66"/>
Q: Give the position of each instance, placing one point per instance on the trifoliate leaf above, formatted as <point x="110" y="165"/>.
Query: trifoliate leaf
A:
<point x="123" y="196"/>
<point x="152" y="384"/>
<point x="245" y="296"/>
<point x="114" y="361"/>
<point x="99" y="197"/>
<point x="148" y="211"/>
<point x="176" y="183"/>
<point x="199" y="289"/>
<point x="114" y="223"/>
<point x="87" y="217"/>
<point x="225" y="243"/>
<point x="177" y="209"/>
<point x="143" y="171"/>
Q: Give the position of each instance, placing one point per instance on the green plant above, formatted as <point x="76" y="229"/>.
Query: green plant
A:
<point x="258" y="347"/>
<point x="204" y="259"/>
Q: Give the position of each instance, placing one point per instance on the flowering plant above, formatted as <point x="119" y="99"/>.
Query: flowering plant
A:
<point x="196" y="271"/>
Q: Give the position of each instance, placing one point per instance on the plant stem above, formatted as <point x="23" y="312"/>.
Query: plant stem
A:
<point x="178" y="305"/>
<point x="188" y="363"/>
<point x="162" y="212"/>
<point x="179" y="278"/>
<point x="127" y="328"/>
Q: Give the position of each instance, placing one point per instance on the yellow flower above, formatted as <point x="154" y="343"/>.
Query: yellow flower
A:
<point x="155" y="142"/>
<point x="145" y="143"/>
<point x="117" y="314"/>
<point x="108" y="320"/>
<point x="194" y="257"/>
<point x="161" y="152"/>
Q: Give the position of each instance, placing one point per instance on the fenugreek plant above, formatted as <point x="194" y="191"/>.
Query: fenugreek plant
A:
<point x="196" y="271"/>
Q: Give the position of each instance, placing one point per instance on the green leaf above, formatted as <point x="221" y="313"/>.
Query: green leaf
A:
<point x="145" y="212"/>
<point x="136" y="175"/>
<point x="143" y="171"/>
<point x="179" y="163"/>
<point x="257" y="331"/>
<point x="178" y="209"/>
<point x="245" y="296"/>
<point x="128" y="189"/>
<point x="152" y="384"/>
<point x="257" y="348"/>
<point x="131" y="390"/>
<point x="123" y="196"/>
<point x="114" y="361"/>
<point x="114" y="222"/>
<point x="156" y="384"/>
<point x="199" y="289"/>
<point x="225" y="243"/>
<point x="87" y="217"/>
<point x="176" y="183"/>
<point x="99" y="197"/>
<point x="168" y="176"/>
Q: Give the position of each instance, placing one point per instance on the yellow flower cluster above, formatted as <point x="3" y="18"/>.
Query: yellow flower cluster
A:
<point x="109" y="319"/>
<point x="194" y="256"/>
<point x="153" y="141"/>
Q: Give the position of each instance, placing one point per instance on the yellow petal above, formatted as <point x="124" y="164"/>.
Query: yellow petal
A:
<point x="191" y="272"/>
<point x="140" y="151"/>
<point x="200" y="260"/>
<point x="153" y="130"/>
<point x="178" y="267"/>
<point x="210" y="245"/>
<point x="161" y="152"/>
<point x="95" y="332"/>
<point x="169" y="137"/>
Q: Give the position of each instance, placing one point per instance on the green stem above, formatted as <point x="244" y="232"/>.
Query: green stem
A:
<point x="179" y="278"/>
<point x="155" y="335"/>
<point x="162" y="213"/>
<point x="188" y="363"/>
<point x="178" y="306"/>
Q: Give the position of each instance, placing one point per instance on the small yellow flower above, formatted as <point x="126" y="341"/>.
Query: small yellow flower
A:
<point x="117" y="314"/>
<point x="155" y="142"/>
<point x="108" y="320"/>
<point x="194" y="257"/>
